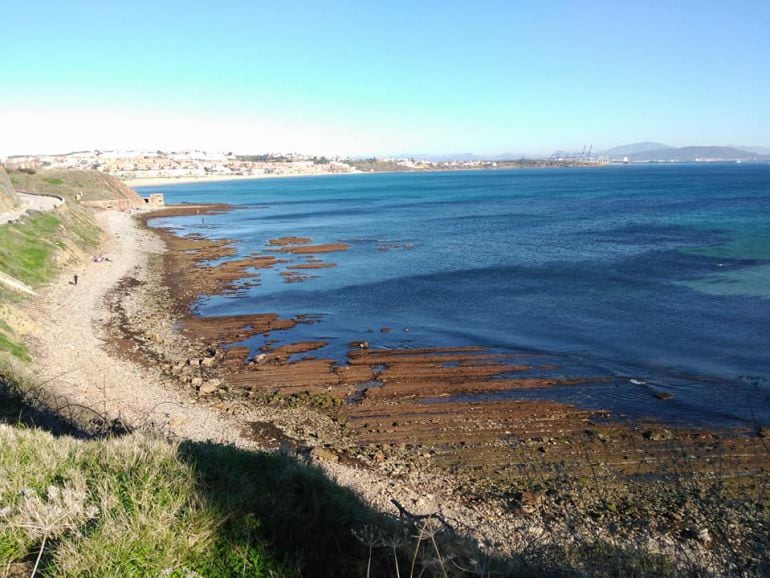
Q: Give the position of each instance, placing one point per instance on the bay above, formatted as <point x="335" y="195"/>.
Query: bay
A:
<point x="639" y="279"/>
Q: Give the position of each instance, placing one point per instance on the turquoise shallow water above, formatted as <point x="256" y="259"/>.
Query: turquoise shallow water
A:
<point x="657" y="274"/>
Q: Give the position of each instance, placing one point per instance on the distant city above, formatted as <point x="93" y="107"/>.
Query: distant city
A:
<point x="138" y="165"/>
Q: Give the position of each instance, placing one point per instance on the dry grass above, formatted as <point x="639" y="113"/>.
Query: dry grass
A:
<point x="71" y="184"/>
<point x="114" y="507"/>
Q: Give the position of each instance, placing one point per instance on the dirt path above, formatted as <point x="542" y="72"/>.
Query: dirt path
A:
<point x="31" y="203"/>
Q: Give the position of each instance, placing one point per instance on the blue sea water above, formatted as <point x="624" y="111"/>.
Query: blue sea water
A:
<point x="658" y="274"/>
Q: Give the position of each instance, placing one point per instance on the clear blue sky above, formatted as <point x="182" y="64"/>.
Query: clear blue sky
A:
<point x="383" y="77"/>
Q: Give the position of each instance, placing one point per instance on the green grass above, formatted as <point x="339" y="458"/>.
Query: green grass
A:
<point x="140" y="506"/>
<point x="17" y="350"/>
<point x="116" y="507"/>
<point x="30" y="250"/>
<point x="26" y="249"/>
<point x="70" y="184"/>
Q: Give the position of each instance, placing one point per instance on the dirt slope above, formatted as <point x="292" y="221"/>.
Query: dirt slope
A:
<point x="8" y="198"/>
<point x="72" y="184"/>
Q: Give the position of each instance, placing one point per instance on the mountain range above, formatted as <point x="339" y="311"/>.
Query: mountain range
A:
<point x="683" y="154"/>
<point x="639" y="152"/>
<point x="635" y="148"/>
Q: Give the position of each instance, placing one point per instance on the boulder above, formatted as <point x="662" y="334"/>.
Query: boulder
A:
<point x="657" y="435"/>
<point x="321" y="454"/>
<point x="527" y="502"/>
<point x="209" y="387"/>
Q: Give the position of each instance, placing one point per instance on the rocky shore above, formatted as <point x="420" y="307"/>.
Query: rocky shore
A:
<point x="517" y="475"/>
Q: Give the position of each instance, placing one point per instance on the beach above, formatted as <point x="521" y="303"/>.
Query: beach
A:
<point x="514" y="474"/>
<point x="89" y="355"/>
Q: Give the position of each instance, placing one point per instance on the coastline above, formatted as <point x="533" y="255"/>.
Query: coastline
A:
<point x="160" y="181"/>
<point x="514" y="465"/>
<point x="110" y="344"/>
<point x="176" y="375"/>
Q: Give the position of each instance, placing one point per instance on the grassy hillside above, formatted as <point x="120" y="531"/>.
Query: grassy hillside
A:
<point x="89" y="185"/>
<point x="140" y="506"/>
<point x="8" y="198"/>
<point x="117" y="507"/>
<point x="33" y="250"/>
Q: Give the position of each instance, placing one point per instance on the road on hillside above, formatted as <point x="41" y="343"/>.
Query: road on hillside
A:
<point x="30" y="202"/>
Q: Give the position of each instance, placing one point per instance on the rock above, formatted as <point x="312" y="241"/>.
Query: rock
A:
<point x="763" y="432"/>
<point x="209" y="387"/>
<point x="527" y="502"/>
<point x="194" y="361"/>
<point x="702" y="535"/>
<point x="208" y="361"/>
<point x="196" y="381"/>
<point x="657" y="435"/>
<point x="321" y="454"/>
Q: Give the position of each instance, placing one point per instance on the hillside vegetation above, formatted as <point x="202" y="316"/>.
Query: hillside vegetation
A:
<point x="32" y="251"/>
<point x="118" y="507"/>
<point x="8" y="198"/>
<point x="72" y="184"/>
<point x="133" y="504"/>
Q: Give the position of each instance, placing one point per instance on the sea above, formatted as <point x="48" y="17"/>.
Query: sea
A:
<point x="646" y="281"/>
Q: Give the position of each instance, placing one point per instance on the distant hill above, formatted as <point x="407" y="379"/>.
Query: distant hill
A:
<point x="448" y="158"/>
<point x="635" y="148"/>
<point x="72" y="184"/>
<point x="763" y="151"/>
<point x="8" y="198"/>
<point x="693" y="153"/>
<point x="443" y="158"/>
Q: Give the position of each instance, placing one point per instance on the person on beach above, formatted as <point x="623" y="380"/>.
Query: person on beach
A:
<point x="75" y="279"/>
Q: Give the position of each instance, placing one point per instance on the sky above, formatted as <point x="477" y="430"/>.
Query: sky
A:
<point x="381" y="78"/>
